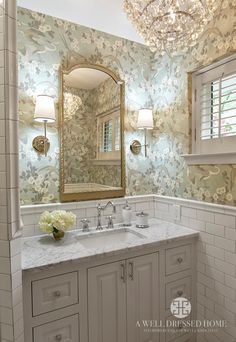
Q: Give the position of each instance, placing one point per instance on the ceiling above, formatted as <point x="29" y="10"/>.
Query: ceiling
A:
<point x="85" y="78"/>
<point x="104" y="15"/>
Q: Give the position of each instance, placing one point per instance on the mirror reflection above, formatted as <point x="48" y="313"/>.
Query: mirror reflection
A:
<point x="91" y="131"/>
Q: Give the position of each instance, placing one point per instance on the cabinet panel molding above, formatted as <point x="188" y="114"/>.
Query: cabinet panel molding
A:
<point x="143" y="293"/>
<point x="54" y="293"/>
<point x="178" y="259"/>
<point x="178" y="288"/>
<point x="63" y="330"/>
<point x="107" y="303"/>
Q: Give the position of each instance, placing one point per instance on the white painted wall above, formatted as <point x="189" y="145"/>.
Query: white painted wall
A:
<point x="11" y="309"/>
<point x="103" y="15"/>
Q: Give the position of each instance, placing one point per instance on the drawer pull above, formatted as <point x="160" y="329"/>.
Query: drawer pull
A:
<point x="180" y="260"/>
<point x="57" y="294"/>
<point x="122" y="265"/>
<point x="131" y="273"/>
<point x="180" y="293"/>
<point x="58" y="337"/>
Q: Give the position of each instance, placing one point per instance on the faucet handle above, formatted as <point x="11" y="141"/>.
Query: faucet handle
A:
<point x="110" y="223"/>
<point x="85" y="227"/>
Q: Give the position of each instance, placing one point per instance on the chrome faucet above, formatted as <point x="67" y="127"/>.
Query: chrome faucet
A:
<point x="99" y="224"/>
<point x="103" y="207"/>
<point x="85" y="224"/>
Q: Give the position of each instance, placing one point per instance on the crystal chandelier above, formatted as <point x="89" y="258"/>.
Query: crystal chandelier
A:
<point x="168" y="25"/>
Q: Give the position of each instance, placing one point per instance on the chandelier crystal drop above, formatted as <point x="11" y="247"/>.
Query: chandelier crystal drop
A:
<point x="168" y="25"/>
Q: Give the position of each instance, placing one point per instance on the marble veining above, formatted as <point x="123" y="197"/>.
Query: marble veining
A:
<point x="40" y="252"/>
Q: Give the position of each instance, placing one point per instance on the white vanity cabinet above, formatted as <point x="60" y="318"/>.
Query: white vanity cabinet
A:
<point x="108" y="299"/>
<point x="63" y="330"/>
<point x="107" y="303"/>
<point x="142" y="296"/>
<point x="120" y="295"/>
<point x="54" y="293"/>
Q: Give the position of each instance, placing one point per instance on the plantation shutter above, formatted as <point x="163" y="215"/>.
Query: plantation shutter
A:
<point x="107" y="136"/>
<point x="216" y="109"/>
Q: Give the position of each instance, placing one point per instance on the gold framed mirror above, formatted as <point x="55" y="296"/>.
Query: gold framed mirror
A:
<point x="92" y="163"/>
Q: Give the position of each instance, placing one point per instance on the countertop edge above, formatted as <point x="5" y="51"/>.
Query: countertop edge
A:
<point x="103" y="255"/>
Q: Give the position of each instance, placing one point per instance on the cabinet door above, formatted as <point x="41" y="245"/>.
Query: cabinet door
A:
<point x="142" y="298"/>
<point x="107" y="303"/>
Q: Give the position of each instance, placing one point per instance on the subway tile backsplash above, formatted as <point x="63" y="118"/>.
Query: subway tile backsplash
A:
<point x="31" y="214"/>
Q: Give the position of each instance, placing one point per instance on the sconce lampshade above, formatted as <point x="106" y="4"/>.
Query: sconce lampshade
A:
<point x="44" y="109"/>
<point x="145" y="119"/>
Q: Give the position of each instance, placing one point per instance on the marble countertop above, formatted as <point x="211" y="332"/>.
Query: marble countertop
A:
<point x="39" y="252"/>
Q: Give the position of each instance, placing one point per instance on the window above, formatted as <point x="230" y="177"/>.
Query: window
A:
<point x="109" y="136"/>
<point x="106" y="145"/>
<point x="214" y="108"/>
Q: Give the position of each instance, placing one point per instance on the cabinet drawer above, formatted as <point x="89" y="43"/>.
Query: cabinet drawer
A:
<point x="54" y="293"/>
<point x="184" y="338"/>
<point x="178" y="333"/>
<point x="178" y="288"/>
<point x="63" y="330"/>
<point x="178" y="259"/>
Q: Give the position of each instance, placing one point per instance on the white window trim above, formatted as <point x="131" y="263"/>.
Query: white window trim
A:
<point x="112" y="157"/>
<point x="209" y="157"/>
<point x="106" y="162"/>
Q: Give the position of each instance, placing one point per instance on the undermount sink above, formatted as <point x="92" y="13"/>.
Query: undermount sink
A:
<point x="108" y="237"/>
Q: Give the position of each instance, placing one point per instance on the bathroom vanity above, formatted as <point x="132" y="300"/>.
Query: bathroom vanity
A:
<point x="108" y="286"/>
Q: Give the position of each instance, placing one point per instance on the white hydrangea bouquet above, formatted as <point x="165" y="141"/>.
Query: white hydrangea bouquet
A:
<point x="57" y="222"/>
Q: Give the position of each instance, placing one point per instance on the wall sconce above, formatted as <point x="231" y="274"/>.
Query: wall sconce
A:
<point x="45" y="113"/>
<point x="145" y="121"/>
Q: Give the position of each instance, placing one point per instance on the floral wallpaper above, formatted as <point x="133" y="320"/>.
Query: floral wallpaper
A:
<point x="45" y="42"/>
<point x="79" y="148"/>
<point x="106" y="96"/>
